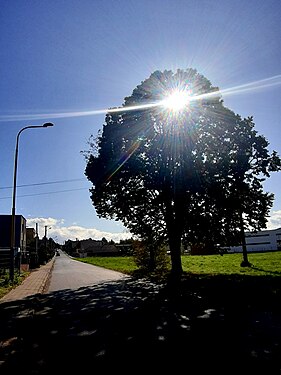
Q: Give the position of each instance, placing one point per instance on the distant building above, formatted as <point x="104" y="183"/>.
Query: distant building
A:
<point x="265" y="240"/>
<point x="125" y="248"/>
<point x="30" y="235"/>
<point x="89" y="247"/>
<point x="20" y="232"/>
<point x="5" y="239"/>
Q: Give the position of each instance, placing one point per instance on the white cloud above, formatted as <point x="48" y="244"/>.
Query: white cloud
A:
<point x="61" y="233"/>
<point x="274" y="221"/>
<point x="42" y="221"/>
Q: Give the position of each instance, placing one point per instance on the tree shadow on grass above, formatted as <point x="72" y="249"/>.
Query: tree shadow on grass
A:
<point x="211" y="323"/>
<point x="274" y="273"/>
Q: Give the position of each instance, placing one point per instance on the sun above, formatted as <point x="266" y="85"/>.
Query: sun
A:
<point x="177" y="100"/>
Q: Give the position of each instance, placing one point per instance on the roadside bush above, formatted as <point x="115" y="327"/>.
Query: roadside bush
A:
<point x="150" y="258"/>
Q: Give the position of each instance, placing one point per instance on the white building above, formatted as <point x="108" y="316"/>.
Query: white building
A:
<point x="265" y="240"/>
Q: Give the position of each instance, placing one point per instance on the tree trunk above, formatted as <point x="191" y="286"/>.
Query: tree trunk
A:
<point x="245" y="262"/>
<point x="175" y="249"/>
<point x="174" y="239"/>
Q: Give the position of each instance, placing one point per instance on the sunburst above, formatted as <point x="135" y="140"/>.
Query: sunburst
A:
<point x="177" y="100"/>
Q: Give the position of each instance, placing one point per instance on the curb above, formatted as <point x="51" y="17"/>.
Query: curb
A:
<point x="46" y="281"/>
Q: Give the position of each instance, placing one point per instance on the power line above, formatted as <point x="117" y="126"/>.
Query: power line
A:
<point x="50" y="192"/>
<point x="43" y="183"/>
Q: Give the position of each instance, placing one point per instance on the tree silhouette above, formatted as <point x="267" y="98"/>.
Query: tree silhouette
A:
<point x="177" y="175"/>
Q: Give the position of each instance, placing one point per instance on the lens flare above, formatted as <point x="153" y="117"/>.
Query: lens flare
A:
<point x="177" y="100"/>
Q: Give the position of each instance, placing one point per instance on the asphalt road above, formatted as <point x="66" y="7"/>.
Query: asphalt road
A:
<point x="72" y="274"/>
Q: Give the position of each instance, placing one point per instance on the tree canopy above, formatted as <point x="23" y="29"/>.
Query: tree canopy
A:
<point x="192" y="175"/>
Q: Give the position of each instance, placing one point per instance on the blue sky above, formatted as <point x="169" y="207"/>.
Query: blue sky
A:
<point x="71" y="56"/>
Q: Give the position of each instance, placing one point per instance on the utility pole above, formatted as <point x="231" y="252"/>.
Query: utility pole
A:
<point x="46" y="228"/>
<point x="36" y="245"/>
<point x="46" y="237"/>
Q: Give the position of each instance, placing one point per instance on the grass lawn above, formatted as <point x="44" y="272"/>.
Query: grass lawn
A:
<point x="121" y="264"/>
<point x="6" y="285"/>
<point x="263" y="264"/>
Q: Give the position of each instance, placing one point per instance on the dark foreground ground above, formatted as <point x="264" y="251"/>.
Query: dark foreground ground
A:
<point x="134" y="326"/>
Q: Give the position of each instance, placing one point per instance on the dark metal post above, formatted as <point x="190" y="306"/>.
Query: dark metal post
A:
<point x="13" y="223"/>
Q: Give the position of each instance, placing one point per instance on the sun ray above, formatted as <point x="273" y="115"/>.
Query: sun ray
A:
<point x="247" y="87"/>
<point x="124" y="159"/>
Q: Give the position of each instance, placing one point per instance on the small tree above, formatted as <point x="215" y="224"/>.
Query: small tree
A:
<point x="233" y="200"/>
<point x="249" y="165"/>
<point x="151" y="258"/>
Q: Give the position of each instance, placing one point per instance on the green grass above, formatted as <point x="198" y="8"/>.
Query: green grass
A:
<point x="121" y="264"/>
<point x="6" y="285"/>
<point x="263" y="264"/>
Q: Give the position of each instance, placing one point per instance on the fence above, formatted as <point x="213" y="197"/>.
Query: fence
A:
<point x="4" y="259"/>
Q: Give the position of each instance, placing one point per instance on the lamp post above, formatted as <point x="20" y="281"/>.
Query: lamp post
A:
<point x="12" y="265"/>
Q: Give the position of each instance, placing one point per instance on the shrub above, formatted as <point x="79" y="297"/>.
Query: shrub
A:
<point x="150" y="258"/>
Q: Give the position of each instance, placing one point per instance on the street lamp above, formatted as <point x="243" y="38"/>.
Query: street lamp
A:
<point x="12" y="266"/>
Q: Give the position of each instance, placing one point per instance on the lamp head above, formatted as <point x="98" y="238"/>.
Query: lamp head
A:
<point x="47" y="124"/>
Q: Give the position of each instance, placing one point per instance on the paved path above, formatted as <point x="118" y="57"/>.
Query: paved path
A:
<point x="33" y="284"/>
<point x="69" y="273"/>
<point x="40" y="281"/>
